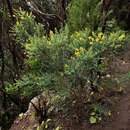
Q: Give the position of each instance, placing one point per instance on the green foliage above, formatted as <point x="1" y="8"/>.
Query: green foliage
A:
<point x="93" y="120"/>
<point x="25" y="27"/>
<point x="58" y="128"/>
<point x="85" y="13"/>
<point x="31" y="85"/>
<point x="96" y="114"/>
<point x="44" y="125"/>
<point x="74" y="56"/>
<point x="88" y="51"/>
<point x="62" y="61"/>
<point x="11" y="88"/>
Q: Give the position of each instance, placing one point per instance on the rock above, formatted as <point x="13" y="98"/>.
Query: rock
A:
<point x="31" y="119"/>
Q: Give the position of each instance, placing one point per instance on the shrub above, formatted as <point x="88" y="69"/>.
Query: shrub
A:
<point x="25" y="27"/>
<point x="64" y="60"/>
<point x="85" y="13"/>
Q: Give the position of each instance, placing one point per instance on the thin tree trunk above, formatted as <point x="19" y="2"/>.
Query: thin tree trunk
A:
<point x="9" y="5"/>
<point x="2" y="89"/>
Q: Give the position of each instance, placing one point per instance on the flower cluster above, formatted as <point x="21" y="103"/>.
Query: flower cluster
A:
<point x="79" y="51"/>
<point x="96" y="38"/>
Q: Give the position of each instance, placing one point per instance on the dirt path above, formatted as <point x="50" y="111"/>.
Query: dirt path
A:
<point x="122" y="121"/>
<point x="121" y="118"/>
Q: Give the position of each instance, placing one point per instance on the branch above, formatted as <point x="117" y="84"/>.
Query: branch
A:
<point x="44" y="15"/>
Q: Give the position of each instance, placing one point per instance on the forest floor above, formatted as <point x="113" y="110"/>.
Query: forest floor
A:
<point x="121" y="117"/>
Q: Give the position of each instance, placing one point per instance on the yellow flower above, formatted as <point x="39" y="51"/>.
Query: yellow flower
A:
<point x="77" y="53"/>
<point x="101" y="36"/>
<point x="91" y="38"/>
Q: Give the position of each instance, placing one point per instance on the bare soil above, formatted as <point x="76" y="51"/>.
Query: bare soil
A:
<point x="121" y="117"/>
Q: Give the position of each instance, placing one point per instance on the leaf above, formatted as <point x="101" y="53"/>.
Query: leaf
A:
<point x="38" y="128"/>
<point x="121" y="37"/>
<point x="58" y="128"/>
<point x="48" y="120"/>
<point x="46" y="126"/>
<point x="93" y="120"/>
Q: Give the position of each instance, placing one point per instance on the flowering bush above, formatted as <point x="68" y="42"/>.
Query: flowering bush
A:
<point x="88" y="51"/>
<point x="65" y="60"/>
